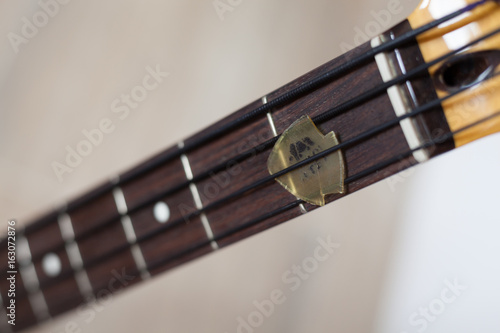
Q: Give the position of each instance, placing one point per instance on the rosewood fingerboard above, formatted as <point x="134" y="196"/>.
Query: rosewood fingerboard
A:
<point x="96" y="241"/>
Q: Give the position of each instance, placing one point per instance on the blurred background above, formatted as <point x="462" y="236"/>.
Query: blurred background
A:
<point x="417" y="252"/>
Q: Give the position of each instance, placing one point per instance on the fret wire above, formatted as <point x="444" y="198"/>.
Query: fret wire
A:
<point x="121" y="204"/>
<point x="74" y="257"/>
<point x="197" y="199"/>
<point x="30" y="280"/>
<point x="279" y="101"/>
<point x="134" y="248"/>
<point x="140" y="262"/>
<point x="23" y="252"/>
<point x="128" y="229"/>
<point x="348" y="180"/>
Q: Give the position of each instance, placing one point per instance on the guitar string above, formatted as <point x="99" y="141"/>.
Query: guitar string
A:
<point x="376" y="130"/>
<point x="285" y="208"/>
<point x="279" y="101"/>
<point x="327" y="115"/>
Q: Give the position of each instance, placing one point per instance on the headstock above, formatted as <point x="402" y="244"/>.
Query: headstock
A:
<point x="470" y="67"/>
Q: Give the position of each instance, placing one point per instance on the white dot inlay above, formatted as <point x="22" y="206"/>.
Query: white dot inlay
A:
<point x="51" y="264"/>
<point x="161" y="212"/>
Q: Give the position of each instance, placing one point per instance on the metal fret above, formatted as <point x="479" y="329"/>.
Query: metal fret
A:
<point x="30" y="280"/>
<point x="270" y="119"/>
<point x="186" y="165"/>
<point x="203" y="216"/>
<point x="140" y="261"/>
<point x="197" y="199"/>
<point x="75" y="257"/>
<point x="121" y="204"/>
<point x="134" y="247"/>
<point x="128" y="228"/>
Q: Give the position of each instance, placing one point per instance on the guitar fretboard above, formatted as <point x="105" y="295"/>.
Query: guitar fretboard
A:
<point x="131" y="230"/>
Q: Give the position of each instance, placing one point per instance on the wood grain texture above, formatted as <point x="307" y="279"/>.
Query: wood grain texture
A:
<point x="94" y="214"/>
<point x="43" y="240"/>
<point x="152" y="183"/>
<point x="475" y="104"/>
<point x="145" y="223"/>
<point x="106" y="240"/>
<point x="113" y="274"/>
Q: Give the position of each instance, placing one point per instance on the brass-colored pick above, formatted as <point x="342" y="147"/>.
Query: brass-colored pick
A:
<point x="315" y="180"/>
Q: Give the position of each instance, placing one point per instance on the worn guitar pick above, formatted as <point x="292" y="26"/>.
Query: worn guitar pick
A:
<point x="313" y="181"/>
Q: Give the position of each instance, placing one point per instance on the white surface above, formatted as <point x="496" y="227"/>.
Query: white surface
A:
<point x="444" y="237"/>
<point x="51" y="264"/>
<point x="161" y="212"/>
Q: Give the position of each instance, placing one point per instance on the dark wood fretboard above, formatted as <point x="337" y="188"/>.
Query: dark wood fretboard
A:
<point x="154" y="218"/>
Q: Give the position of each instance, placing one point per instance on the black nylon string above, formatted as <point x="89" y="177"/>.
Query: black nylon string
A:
<point x="278" y="102"/>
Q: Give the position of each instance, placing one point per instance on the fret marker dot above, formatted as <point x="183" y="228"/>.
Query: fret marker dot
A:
<point x="51" y="264"/>
<point x="161" y="212"/>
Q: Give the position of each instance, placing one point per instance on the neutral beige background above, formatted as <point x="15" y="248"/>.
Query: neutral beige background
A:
<point x="398" y="244"/>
